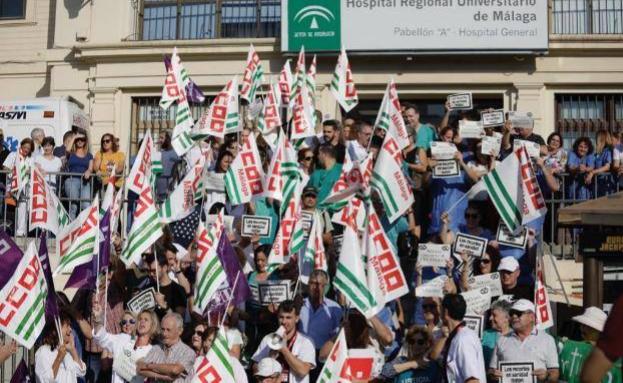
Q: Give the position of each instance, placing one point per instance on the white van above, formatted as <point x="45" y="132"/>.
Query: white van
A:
<point x="55" y="115"/>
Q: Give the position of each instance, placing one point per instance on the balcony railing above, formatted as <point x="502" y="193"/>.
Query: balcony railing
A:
<point x="586" y="17"/>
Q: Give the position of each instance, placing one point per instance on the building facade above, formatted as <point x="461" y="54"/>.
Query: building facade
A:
<point x="108" y="54"/>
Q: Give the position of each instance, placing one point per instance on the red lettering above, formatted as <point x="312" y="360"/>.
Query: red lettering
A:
<point x="6" y="314"/>
<point x="16" y="297"/>
<point x="145" y="200"/>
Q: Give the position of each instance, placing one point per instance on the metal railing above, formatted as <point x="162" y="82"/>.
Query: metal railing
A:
<point x="584" y="17"/>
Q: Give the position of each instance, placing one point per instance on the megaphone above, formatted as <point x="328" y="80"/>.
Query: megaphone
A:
<point x="277" y="340"/>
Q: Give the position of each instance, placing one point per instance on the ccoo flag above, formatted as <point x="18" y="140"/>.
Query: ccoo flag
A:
<point x="343" y="85"/>
<point x="253" y="76"/>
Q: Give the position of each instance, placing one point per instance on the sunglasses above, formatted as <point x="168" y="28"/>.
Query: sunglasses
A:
<point x="517" y="313"/>
<point x="106" y="141"/>
<point x="129" y="321"/>
<point x="485" y="261"/>
<point x="419" y="341"/>
<point x="199" y="333"/>
<point x="308" y="158"/>
<point x="81" y="139"/>
<point x="429" y="306"/>
<point x="472" y="216"/>
<point x="309" y="195"/>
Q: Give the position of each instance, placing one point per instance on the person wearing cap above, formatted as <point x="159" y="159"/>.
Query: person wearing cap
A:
<point x="526" y="344"/>
<point x="296" y="354"/>
<point x="268" y="371"/>
<point x="509" y="273"/>
<point x="324" y="179"/>
<point x="592" y="323"/>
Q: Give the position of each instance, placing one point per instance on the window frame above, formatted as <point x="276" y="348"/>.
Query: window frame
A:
<point x="12" y="18"/>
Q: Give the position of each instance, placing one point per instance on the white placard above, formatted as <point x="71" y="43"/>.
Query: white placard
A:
<point x="505" y="237"/>
<point x="214" y="182"/>
<point x="256" y="225"/>
<point x="533" y="148"/>
<point x="460" y="101"/>
<point x="228" y="221"/>
<point x="478" y="301"/>
<point x="433" y="255"/>
<point x="470" y="244"/>
<point x="491" y="145"/>
<point x="475" y="323"/>
<point x="442" y="150"/>
<point x="274" y="291"/>
<point x="124" y="364"/>
<point x="521" y="120"/>
<point x="471" y="129"/>
<point x="446" y="169"/>
<point x="493" y="118"/>
<point x="145" y="300"/>
<point x="517" y="372"/>
<point x="432" y="288"/>
<point x="491" y="280"/>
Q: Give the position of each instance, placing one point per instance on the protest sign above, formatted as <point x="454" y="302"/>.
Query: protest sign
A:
<point x="256" y="225"/>
<point x="491" y="280"/>
<point x="446" y="169"/>
<point x="145" y="300"/>
<point x="506" y="237"/>
<point x="460" y="101"/>
<point x="442" y="150"/>
<point x="572" y="356"/>
<point x="475" y="323"/>
<point x="433" y="255"/>
<point x="470" y="245"/>
<point x="228" y="221"/>
<point x="533" y="148"/>
<point x="124" y="364"/>
<point x="478" y="301"/>
<point x="521" y="120"/>
<point x="517" y="372"/>
<point x="491" y="145"/>
<point x="471" y="129"/>
<point x="493" y="118"/>
<point x="214" y="182"/>
<point x="432" y="288"/>
<point x="274" y="291"/>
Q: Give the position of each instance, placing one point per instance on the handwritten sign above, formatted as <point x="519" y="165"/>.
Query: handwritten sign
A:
<point x="491" y="281"/>
<point x="446" y="169"/>
<point x="493" y="118"/>
<point x="256" y="225"/>
<point x="517" y="372"/>
<point x="274" y="291"/>
<point x="478" y="301"/>
<point x="433" y="255"/>
<point x="533" y="148"/>
<point x="491" y="145"/>
<point x="505" y="237"/>
<point x="471" y="129"/>
<point x="432" y="288"/>
<point x="521" y="120"/>
<point x="442" y="150"/>
<point x="470" y="245"/>
<point x="475" y="323"/>
<point x="460" y="101"/>
<point x="145" y="300"/>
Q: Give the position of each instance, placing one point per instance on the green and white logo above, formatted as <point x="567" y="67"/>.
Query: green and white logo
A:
<point x="314" y="24"/>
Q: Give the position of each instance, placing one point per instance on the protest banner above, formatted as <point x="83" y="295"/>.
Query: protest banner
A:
<point x="572" y="356"/>
<point x="274" y="291"/>
<point x="478" y="301"/>
<point x="433" y="255"/>
<point x="446" y="169"/>
<point x="505" y="237"/>
<point x="521" y="120"/>
<point x="256" y="225"/>
<point x="43" y="213"/>
<point x="475" y="323"/>
<point x="145" y="300"/>
<point x="442" y="150"/>
<point x="470" y="245"/>
<point x="517" y="372"/>
<point x="460" y="101"/>
<point x="491" y="281"/>
<point x="471" y="129"/>
<point x="432" y="288"/>
<point x="493" y="118"/>
<point x="491" y="145"/>
<point x="534" y="149"/>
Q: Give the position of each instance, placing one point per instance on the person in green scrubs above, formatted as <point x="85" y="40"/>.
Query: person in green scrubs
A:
<point x="324" y="179"/>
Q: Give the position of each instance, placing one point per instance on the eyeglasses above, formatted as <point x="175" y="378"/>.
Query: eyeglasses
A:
<point x="106" y="141"/>
<point x="517" y="313"/>
<point x="471" y="216"/>
<point x="128" y="321"/>
<point x="430" y="306"/>
<point x="308" y="158"/>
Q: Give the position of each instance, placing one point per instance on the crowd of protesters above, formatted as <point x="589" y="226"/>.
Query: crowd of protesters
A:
<point x="413" y="339"/>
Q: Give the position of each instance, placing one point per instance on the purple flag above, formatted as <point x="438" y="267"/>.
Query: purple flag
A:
<point x="51" y="305"/>
<point x="193" y="93"/>
<point x="84" y="276"/>
<point x="11" y="255"/>
<point x="21" y="373"/>
<point x="229" y="260"/>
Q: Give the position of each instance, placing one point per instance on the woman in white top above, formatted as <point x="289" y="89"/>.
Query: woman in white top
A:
<point x="58" y="364"/>
<point x="48" y="163"/>
<point x="127" y="349"/>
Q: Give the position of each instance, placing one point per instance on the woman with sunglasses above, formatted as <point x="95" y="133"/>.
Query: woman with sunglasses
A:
<point x="414" y="365"/>
<point x="196" y="340"/>
<point x="109" y="159"/>
<point x="78" y="184"/>
<point x="306" y="160"/>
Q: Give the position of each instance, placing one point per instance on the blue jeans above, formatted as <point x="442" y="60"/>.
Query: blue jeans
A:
<point x="79" y="194"/>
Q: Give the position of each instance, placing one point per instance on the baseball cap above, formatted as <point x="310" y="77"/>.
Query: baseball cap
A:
<point x="593" y="318"/>
<point x="523" y="305"/>
<point x="508" y="264"/>
<point x="268" y="367"/>
<point x="310" y="190"/>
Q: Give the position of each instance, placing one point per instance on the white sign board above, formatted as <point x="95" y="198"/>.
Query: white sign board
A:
<point x="433" y="255"/>
<point x="274" y="291"/>
<point x="491" y="281"/>
<point x="432" y="288"/>
<point x="478" y="301"/>
<point x="517" y="372"/>
<point x="145" y="300"/>
<point x="493" y="118"/>
<point x="442" y="150"/>
<point x="475" y="323"/>
<point x="533" y="148"/>
<point x="505" y="237"/>
<point x="470" y="245"/>
<point x="228" y="221"/>
<point x="460" y="101"/>
<point x="521" y="120"/>
<point x="471" y="129"/>
<point x="256" y="225"/>
<point x="446" y="169"/>
<point x="491" y="145"/>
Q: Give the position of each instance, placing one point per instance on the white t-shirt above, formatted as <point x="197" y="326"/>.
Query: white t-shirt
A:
<point x="617" y="154"/>
<point x="234" y="337"/>
<point x="68" y="371"/>
<point x="49" y="166"/>
<point x="303" y="348"/>
<point x="465" y="358"/>
<point x="120" y="343"/>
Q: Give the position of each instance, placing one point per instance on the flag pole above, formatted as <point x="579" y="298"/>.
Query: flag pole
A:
<point x="457" y="202"/>
<point x="231" y="296"/>
<point x="157" y="276"/>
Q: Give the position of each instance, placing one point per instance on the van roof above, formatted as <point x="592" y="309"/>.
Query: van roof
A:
<point x="44" y="99"/>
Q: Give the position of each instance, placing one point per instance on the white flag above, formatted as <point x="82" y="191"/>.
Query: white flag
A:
<point x="223" y="115"/>
<point x="43" y="213"/>
<point x="390" y="118"/>
<point x="343" y="86"/>
<point x="336" y="362"/>
<point x="253" y="76"/>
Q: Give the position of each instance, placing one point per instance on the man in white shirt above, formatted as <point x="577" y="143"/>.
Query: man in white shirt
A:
<point x="462" y="357"/>
<point x="358" y="149"/>
<point x="526" y="344"/>
<point x="295" y="353"/>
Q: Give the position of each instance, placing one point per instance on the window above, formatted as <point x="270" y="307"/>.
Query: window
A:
<point x="12" y="9"/>
<point x="587" y="16"/>
<point x="580" y="115"/>
<point x="209" y="19"/>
